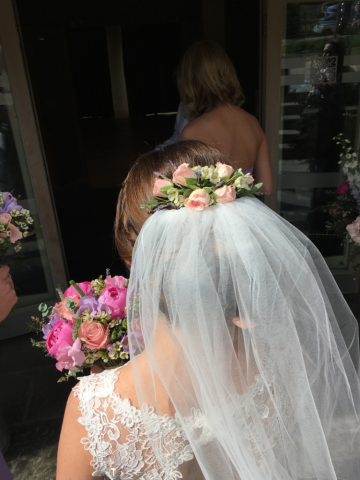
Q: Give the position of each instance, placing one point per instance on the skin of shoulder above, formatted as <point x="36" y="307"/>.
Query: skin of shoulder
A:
<point x="73" y="461"/>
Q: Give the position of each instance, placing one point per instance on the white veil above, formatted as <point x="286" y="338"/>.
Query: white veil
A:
<point x="249" y="342"/>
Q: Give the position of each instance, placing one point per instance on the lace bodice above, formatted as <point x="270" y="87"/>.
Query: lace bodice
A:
<point x="121" y="446"/>
<point x="116" y="434"/>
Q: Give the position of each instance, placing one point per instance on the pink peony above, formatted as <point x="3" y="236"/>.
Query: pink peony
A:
<point x="224" y="170"/>
<point x="115" y="298"/>
<point x="85" y="287"/>
<point x="63" y="310"/>
<point x="59" y="334"/>
<point x="354" y="230"/>
<point x="198" y="200"/>
<point x="15" y="233"/>
<point x="344" y="187"/>
<point x="183" y="172"/>
<point x="225" y="194"/>
<point x="69" y="356"/>
<point x="94" y="335"/>
<point x="159" y="183"/>
<point x="116" y="281"/>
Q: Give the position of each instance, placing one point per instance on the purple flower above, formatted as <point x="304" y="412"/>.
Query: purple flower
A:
<point x="103" y="308"/>
<point x="109" y="347"/>
<point x="87" y="304"/>
<point x="10" y="203"/>
<point x="136" y="340"/>
<point x="49" y="326"/>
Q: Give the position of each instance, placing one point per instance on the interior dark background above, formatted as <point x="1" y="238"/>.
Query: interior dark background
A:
<point x="88" y="147"/>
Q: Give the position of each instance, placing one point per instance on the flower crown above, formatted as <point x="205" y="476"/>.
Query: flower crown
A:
<point x="200" y="187"/>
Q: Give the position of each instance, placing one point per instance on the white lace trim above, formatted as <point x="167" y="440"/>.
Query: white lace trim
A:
<point x="128" y="454"/>
<point x="104" y="413"/>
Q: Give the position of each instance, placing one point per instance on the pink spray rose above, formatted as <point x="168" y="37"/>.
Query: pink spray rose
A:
<point x="354" y="230"/>
<point x="69" y="356"/>
<point x="159" y="183"/>
<point x="59" y="334"/>
<point x="115" y="281"/>
<point x="198" y="200"/>
<point x="224" y="170"/>
<point x="225" y="194"/>
<point x="249" y="178"/>
<point x="94" y="335"/>
<point x="85" y="287"/>
<point x="183" y="172"/>
<point x="115" y="298"/>
<point x="63" y="310"/>
<point x="344" y="187"/>
<point x="15" y="233"/>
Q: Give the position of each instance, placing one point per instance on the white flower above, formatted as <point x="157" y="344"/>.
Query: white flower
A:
<point x="124" y="355"/>
<point x="354" y="154"/>
<point x="205" y="172"/>
<point x="347" y="141"/>
<point x="348" y="155"/>
<point x="214" y="177"/>
<point x="1" y="198"/>
<point x="354" y="164"/>
<point x="196" y="169"/>
<point x="241" y="182"/>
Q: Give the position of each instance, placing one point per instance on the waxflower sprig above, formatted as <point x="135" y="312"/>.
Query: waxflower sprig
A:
<point x="87" y="327"/>
<point x="199" y="187"/>
<point x="15" y="224"/>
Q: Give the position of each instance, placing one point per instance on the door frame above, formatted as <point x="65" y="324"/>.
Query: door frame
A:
<point x="26" y="118"/>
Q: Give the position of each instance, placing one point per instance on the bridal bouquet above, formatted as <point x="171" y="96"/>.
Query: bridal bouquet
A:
<point x="87" y="327"/>
<point x="15" y="224"/>
<point x="199" y="187"/>
<point x="345" y="209"/>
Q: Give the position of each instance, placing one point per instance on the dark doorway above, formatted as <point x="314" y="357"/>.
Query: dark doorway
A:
<point x="102" y="77"/>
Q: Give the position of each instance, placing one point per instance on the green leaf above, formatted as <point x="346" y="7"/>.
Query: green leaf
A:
<point x="258" y="185"/>
<point x="194" y="187"/>
<point x="77" y="288"/>
<point x="76" y="328"/>
<point x="191" y="181"/>
<point x="208" y="190"/>
<point x="187" y="193"/>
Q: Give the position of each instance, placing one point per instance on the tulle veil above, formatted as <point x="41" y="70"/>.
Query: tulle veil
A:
<point x="255" y="348"/>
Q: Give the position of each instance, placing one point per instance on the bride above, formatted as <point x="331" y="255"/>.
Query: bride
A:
<point x="244" y="354"/>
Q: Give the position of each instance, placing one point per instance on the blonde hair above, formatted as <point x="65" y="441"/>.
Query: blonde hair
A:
<point x="206" y="77"/>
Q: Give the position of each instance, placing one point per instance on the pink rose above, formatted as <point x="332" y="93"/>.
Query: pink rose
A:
<point x="183" y="172"/>
<point x="94" y="335"/>
<point x="116" y="281"/>
<point x="198" y="200"/>
<point x="63" y="310"/>
<point x="69" y="357"/>
<point x="354" y="230"/>
<point x="344" y="187"/>
<point x="249" y="178"/>
<point x="85" y="287"/>
<point x="224" y="170"/>
<point x="159" y="183"/>
<point x="115" y="298"/>
<point x="15" y="233"/>
<point x="225" y="194"/>
<point x="59" y="334"/>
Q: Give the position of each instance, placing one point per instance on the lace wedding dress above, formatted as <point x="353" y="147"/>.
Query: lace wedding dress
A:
<point x="118" y="439"/>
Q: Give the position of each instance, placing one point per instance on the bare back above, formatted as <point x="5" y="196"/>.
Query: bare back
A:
<point x="238" y="136"/>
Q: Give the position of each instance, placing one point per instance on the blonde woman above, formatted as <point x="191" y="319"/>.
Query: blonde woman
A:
<point x="212" y="97"/>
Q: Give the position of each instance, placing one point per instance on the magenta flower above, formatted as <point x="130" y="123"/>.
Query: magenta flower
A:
<point x="59" y="334"/>
<point x="115" y="298"/>
<point x="344" y="187"/>
<point x="69" y="356"/>
<point x="71" y="292"/>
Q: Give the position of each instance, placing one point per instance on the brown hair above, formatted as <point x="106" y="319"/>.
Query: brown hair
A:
<point x="138" y="186"/>
<point x="207" y="77"/>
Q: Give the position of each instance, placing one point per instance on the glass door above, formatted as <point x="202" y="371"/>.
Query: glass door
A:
<point x="40" y="267"/>
<point x="312" y="95"/>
